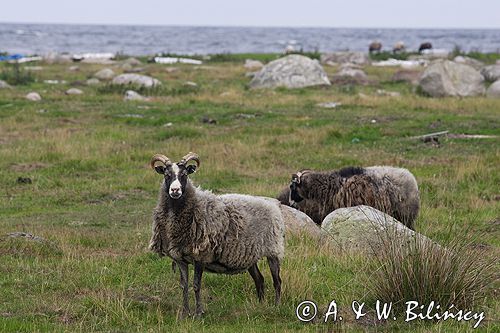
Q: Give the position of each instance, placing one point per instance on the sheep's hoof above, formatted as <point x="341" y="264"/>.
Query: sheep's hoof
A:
<point x="185" y="314"/>
<point x="199" y="313"/>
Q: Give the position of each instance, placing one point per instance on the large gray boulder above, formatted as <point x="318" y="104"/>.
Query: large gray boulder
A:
<point x="366" y="229"/>
<point x="491" y="73"/>
<point x="494" y="90"/>
<point x="136" y="80"/>
<point x="293" y="71"/>
<point x="448" y="78"/>
<point x="335" y="58"/>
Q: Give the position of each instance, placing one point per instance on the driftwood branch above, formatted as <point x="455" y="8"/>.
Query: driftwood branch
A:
<point x="430" y="135"/>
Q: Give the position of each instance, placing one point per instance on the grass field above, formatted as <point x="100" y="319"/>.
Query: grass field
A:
<point x="92" y="193"/>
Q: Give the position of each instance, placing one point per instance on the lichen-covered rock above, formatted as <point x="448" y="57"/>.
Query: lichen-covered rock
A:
<point x="491" y="73"/>
<point x="136" y="80"/>
<point x="447" y="78"/>
<point x="365" y="229"/>
<point x="494" y="90"/>
<point x="293" y="71"/>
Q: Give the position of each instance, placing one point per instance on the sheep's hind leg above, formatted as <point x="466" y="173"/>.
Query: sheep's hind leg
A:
<point x="274" y="265"/>
<point x="184" y="270"/>
<point x="259" y="281"/>
<point x="198" y="272"/>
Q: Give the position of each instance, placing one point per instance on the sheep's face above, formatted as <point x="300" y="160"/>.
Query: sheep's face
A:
<point x="176" y="177"/>
<point x="297" y="193"/>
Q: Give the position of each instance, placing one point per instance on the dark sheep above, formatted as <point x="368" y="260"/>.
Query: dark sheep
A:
<point x="391" y="190"/>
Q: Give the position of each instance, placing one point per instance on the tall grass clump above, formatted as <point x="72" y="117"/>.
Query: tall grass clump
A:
<point x="424" y="271"/>
<point x="15" y="75"/>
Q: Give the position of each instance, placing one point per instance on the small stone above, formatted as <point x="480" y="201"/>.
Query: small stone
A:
<point x="33" y="96"/>
<point x="381" y="92"/>
<point x="168" y="125"/>
<point x="329" y="105"/>
<point x="137" y="80"/>
<point x="133" y="62"/>
<point x="131" y="95"/>
<point x="253" y="64"/>
<point x="105" y="74"/>
<point x="4" y="85"/>
<point x="74" y="68"/>
<point x="93" y="82"/>
<point x="74" y="91"/>
<point x="24" y="180"/>
<point x="171" y="69"/>
<point x="191" y="84"/>
<point x="207" y="120"/>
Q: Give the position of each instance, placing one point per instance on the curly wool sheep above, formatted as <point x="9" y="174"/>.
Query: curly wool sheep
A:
<point x="391" y="190"/>
<point x="216" y="233"/>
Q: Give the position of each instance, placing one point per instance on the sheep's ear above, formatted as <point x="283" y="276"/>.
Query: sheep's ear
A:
<point x="191" y="168"/>
<point x="160" y="169"/>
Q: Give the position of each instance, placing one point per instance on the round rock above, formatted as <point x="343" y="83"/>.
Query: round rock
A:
<point x="365" y="229"/>
<point x="74" y="91"/>
<point x="131" y="95"/>
<point x="494" y="90"/>
<point x="33" y="96"/>
<point x="293" y="71"/>
<point x="105" y="74"/>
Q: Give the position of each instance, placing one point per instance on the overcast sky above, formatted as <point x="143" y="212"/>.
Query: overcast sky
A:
<point x="290" y="13"/>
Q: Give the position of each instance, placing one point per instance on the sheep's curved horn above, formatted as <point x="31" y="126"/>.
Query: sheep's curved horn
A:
<point x="298" y="176"/>
<point x="190" y="157"/>
<point x="160" y="158"/>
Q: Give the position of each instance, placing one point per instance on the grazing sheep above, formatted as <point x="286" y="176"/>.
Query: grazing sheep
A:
<point x="399" y="47"/>
<point x="424" y="46"/>
<point x="391" y="190"/>
<point x="375" y="47"/>
<point x="216" y="233"/>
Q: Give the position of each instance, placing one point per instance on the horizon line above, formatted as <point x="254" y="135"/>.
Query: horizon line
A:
<point x="251" y="26"/>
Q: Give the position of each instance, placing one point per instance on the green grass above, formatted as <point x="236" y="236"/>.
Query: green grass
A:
<point x="92" y="193"/>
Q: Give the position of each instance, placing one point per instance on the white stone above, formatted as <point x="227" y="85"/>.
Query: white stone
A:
<point x="33" y="96"/>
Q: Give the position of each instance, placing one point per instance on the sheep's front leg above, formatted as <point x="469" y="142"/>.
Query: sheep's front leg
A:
<point x="198" y="272"/>
<point x="184" y="270"/>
